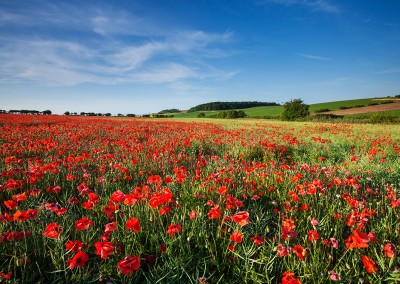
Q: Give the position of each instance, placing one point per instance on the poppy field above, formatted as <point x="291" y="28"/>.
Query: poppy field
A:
<point x="123" y="200"/>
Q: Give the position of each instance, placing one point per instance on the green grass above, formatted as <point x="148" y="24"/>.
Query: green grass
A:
<point x="275" y="111"/>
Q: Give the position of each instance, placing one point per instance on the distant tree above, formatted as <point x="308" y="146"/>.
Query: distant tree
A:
<point x="201" y="114"/>
<point x="131" y="115"/>
<point x="107" y="114"/>
<point x="67" y="113"/>
<point x="46" y="112"/>
<point x="295" y="109"/>
<point x="172" y="110"/>
<point x="82" y="113"/>
<point x="120" y="114"/>
<point x="229" y="105"/>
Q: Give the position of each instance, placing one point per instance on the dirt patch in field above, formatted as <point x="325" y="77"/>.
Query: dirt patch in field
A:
<point x="377" y="108"/>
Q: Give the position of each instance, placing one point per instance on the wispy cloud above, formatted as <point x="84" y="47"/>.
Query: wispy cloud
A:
<point x="314" y="57"/>
<point x="314" y="5"/>
<point x="389" y="71"/>
<point x="108" y="47"/>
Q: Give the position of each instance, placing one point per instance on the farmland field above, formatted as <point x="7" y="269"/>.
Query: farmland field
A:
<point x="164" y="201"/>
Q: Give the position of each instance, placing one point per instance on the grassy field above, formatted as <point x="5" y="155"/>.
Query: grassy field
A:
<point x="275" y="111"/>
<point x="133" y="200"/>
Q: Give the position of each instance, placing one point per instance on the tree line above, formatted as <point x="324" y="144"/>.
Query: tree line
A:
<point x="229" y="105"/>
<point x="26" y="111"/>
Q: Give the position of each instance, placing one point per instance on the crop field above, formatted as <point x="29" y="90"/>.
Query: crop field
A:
<point x="129" y="200"/>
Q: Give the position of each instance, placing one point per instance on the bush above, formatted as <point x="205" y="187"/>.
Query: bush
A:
<point x="231" y="114"/>
<point x="322" y="110"/>
<point x="295" y="109"/>
<point x="383" y="118"/>
<point x="201" y="114"/>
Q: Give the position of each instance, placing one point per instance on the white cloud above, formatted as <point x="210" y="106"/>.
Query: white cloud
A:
<point x="313" y="5"/>
<point x="107" y="47"/>
<point x="168" y="73"/>
<point x="314" y="57"/>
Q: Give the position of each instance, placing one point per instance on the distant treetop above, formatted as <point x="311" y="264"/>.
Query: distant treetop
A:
<point x="172" y="110"/>
<point x="229" y="105"/>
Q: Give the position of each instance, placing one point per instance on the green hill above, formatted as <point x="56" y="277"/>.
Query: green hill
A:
<point x="275" y="111"/>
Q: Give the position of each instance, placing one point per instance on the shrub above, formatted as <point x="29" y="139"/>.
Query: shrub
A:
<point x="322" y="110"/>
<point x="295" y="109"/>
<point x="201" y="114"/>
<point x="383" y="118"/>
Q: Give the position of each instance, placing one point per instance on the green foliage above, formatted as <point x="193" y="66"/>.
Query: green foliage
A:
<point x="201" y="114"/>
<point x="383" y="118"/>
<point x="229" y="105"/>
<point x="295" y="109"/>
<point x="172" y="110"/>
<point x="231" y="114"/>
<point x="322" y="110"/>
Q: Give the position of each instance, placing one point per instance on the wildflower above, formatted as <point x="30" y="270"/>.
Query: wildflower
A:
<point x="313" y="236"/>
<point x="104" y="249"/>
<point x="52" y="231"/>
<point x="258" y="240"/>
<point x="214" y="213"/>
<point x="288" y="278"/>
<point x="83" y="224"/>
<point x="79" y="259"/>
<point x="236" y="237"/>
<point x="74" y="246"/>
<point x="357" y="239"/>
<point x="334" y="276"/>
<point x="389" y="250"/>
<point x="193" y="214"/>
<point x="369" y="264"/>
<point x="242" y="218"/>
<point x="129" y="264"/>
<point x="174" y="229"/>
<point x="5" y="276"/>
<point x="133" y="224"/>
<point x="300" y="252"/>
<point x="283" y="250"/>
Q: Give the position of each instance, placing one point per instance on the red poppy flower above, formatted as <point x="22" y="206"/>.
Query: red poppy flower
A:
<point x="110" y="227"/>
<point x="104" y="249"/>
<point x="369" y="264"/>
<point x="288" y="278"/>
<point x="52" y="231"/>
<point x="133" y="224"/>
<point x="313" y="236"/>
<point x="174" y="229"/>
<point x="74" y="246"/>
<point x="129" y="264"/>
<point x="258" y="240"/>
<point x="164" y="210"/>
<point x="79" y="259"/>
<point x="10" y="204"/>
<point x="214" y="213"/>
<point x="357" y="239"/>
<point x="242" y="218"/>
<point x="283" y="250"/>
<point x="300" y="252"/>
<point x="390" y="250"/>
<point x="5" y="276"/>
<point x="83" y="224"/>
<point x="193" y="214"/>
<point x="237" y="237"/>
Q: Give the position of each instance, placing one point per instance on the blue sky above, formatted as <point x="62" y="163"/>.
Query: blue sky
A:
<point x="146" y="56"/>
